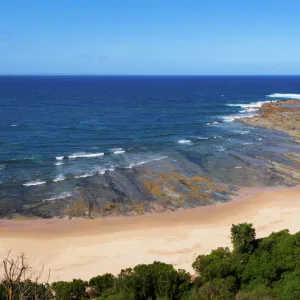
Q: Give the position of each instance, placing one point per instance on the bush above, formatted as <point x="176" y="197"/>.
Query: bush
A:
<point x="157" y="280"/>
<point x="69" y="290"/>
<point x="257" y="269"/>
<point x="102" y="282"/>
<point x="242" y="237"/>
<point x="217" y="289"/>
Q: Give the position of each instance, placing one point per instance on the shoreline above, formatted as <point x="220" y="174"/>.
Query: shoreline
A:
<point x="281" y="115"/>
<point x="82" y="248"/>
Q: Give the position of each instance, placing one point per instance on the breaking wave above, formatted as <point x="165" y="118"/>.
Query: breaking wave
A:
<point x="85" y="155"/>
<point x="248" y="110"/>
<point x="118" y="150"/>
<point x="284" y="96"/>
<point x="61" y="196"/>
<point x="184" y="141"/>
<point x="32" y="183"/>
<point x="59" y="178"/>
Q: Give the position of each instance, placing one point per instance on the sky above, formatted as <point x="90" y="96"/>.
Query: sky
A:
<point x="157" y="37"/>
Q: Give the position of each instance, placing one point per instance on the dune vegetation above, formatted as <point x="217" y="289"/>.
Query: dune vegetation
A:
<point x="265" y="268"/>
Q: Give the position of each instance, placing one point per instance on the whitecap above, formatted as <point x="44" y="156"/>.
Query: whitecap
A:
<point x="285" y="96"/>
<point x="85" y="155"/>
<point x="212" y="123"/>
<point x="251" y="105"/>
<point x="60" y="196"/>
<point x="231" y="118"/>
<point x="59" y="178"/>
<point x="31" y="183"/>
<point x="13" y="125"/>
<point x="97" y="171"/>
<point x="59" y="163"/>
<point x="144" y="162"/>
<point x="221" y="148"/>
<point x="248" y="110"/>
<point x="59" y="157"/>
<point x="85" y="175"/>
<point x="184" y="141"/>
<point x="241" y="132"/>
<point x="118" y="150"/>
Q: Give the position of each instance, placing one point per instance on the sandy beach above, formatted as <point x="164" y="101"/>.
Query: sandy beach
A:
<point x="81" y="248"/>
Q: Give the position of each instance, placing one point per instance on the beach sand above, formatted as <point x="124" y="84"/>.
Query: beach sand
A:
<point x="81" y="248"/>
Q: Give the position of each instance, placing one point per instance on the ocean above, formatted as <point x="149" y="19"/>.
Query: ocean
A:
<point x="58" y="130"/>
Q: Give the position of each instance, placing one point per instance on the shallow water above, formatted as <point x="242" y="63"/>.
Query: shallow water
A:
<point x="57" y="131"/>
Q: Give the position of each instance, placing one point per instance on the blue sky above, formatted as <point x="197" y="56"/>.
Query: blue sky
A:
<point x="149" y="37"/>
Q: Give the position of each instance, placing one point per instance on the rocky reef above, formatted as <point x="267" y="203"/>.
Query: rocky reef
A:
<point x="280" y="115"/>
<point x="180" y="180"/>
<point x="154" y="187"/>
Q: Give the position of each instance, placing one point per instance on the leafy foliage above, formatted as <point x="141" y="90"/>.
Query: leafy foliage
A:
<point x="267" y="269"/>
<point x="69" y="290"/>
<point x="102" y="282"/>
<point x="242" y="237"/>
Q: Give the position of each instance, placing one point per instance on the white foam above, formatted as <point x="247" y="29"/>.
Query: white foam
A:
<point x="59" y="163"/>
<point x="145" y="161"/>
<point x="31" y="183"/>
<point x="248" y="110"/>
<point x="241" y="132"/>
<point x="184" y="141"/>
<point x="221" y="148"/>
<point x="85" y="175"/>
<point x="231" y="118"/>
<point x="285" y="96"/>
<point x="61" y="196"/>
<point x="253" y="105"/>
<point x="13" y="125"/>
<point x="212" y="123"/>
<point x="59" y="178"/>
<point x="118" y="151"/>
<point x="59" y="157"/>
<point x="85" y="155"/>
<point x="100" y="171"/>
<point x="202" y="138"/>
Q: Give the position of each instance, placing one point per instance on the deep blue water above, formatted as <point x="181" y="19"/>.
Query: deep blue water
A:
<point x="91" y="121"/>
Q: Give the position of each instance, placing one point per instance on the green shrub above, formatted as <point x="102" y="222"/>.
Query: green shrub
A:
<point x="102" y="282"/>
<point x="242" y="237"/>
<point x="217" y="289"/>
<point x="157" y="280"/>
<point x="69" y="290"/>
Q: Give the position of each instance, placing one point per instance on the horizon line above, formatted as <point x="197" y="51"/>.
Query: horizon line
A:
<point x="143" y="75"/>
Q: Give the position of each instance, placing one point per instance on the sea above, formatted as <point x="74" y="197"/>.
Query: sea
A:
<point x="55" y="129"/>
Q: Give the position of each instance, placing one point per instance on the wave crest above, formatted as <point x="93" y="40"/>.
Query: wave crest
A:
<point x="32" y="183"/>
<point x="184" y="141"/>
<point x="285" y="96"/>
<point x="85" y="155"/>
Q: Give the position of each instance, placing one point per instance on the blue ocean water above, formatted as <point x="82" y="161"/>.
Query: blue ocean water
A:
<point x="54" y="128"/>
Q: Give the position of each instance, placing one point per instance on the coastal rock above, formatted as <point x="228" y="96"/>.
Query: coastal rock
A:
<point x="281" y="115"/>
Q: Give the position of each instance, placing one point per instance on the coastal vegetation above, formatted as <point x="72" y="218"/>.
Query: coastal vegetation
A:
<point x="256" y="268"/>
